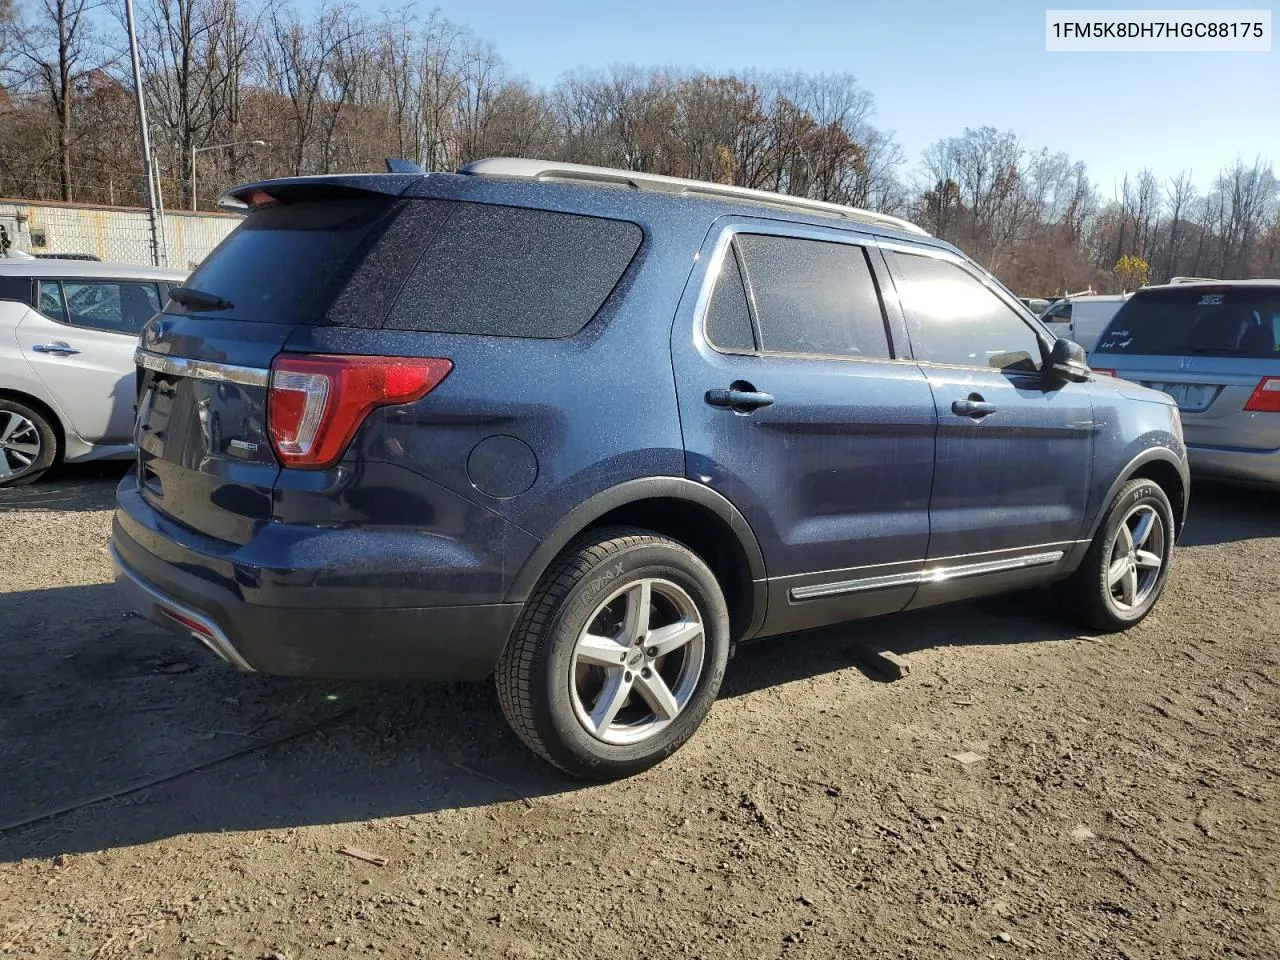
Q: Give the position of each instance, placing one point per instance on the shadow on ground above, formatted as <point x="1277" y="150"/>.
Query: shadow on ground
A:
<point x="1225" y="514"/>
<point x="114" y="732"/>
<point x="68" y="487"/>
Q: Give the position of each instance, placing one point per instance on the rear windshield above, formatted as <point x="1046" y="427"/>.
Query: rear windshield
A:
<point x="1224" y="322"/>
<point x="285" y="263"/>
<point x="428" y="265"/>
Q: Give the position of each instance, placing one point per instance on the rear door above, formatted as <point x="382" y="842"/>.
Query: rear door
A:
<point x="1210" y="347"/>
<point x="796" y="407"/>
<point x="1014" y="449"/>
<point x="80" y="342"/>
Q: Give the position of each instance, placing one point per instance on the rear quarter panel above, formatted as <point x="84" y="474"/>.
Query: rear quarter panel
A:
<point x="567" y="418"/>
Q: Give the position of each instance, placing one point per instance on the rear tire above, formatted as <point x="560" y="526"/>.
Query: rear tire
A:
<point x="1127" y="565"/>
<point x="28" y="444"/>
<point x="618" y="655"/>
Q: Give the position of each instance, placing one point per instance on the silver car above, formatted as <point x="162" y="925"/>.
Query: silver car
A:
<point x="68" y="330"/>
<point x="1214" y="346"/>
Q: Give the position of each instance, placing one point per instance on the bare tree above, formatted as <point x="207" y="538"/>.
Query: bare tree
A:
<point x="55" y="42"/>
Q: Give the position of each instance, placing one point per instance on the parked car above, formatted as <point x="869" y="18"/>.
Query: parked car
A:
<point x="68" y="331"/>
<point x="1082" y="319"/>
<point x="1036" y="305"/>
<point x="1212" y="346"/>
<point x="582" y="429"/>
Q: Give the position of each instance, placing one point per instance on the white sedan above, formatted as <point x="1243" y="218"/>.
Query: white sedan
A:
<point x="68" y="330"/>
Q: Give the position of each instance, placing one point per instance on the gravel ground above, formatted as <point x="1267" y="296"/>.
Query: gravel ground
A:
<point x="1124" y="804"/>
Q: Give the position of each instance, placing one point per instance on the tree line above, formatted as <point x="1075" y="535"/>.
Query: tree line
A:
<point x="340" y="90"/>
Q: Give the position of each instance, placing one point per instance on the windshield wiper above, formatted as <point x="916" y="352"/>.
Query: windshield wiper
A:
<point x="191" y="297"/>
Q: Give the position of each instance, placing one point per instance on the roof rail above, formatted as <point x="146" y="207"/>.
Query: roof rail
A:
<point x="1192" y="280"/>
<point x="546" y="170"/>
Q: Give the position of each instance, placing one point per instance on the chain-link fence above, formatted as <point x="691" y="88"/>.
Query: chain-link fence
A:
<point x="115" y="234"/>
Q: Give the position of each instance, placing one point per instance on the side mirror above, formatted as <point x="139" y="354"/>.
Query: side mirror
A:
<point x="1067" y="362"/>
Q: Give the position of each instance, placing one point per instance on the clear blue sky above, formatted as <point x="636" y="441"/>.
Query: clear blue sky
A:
<point x="934" y="67"/>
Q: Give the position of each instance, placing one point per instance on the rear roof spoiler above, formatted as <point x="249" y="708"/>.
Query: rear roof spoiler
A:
<point x="290" y="189"/>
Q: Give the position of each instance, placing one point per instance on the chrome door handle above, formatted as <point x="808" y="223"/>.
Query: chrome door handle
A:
<point x="58" y="348"/>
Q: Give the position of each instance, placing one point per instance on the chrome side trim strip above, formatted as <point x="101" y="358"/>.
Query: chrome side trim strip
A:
<point x="937" y="575"/>
<point x="979" y="556"/>
<point x="201" y="369"/>
<point x="216" y="640"/>
<point x="817" y="590"/>
<point x="991" y="566"/>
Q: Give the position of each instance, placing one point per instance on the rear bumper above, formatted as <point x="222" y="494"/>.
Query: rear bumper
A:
<point x="321" y="634"/>
<point x="1261" y="467"/>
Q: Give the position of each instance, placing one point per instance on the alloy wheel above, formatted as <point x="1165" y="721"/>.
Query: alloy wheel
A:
<point x="19" y="444"/>
<point x="1137" y="557"/>
<point x="637" y="662"/>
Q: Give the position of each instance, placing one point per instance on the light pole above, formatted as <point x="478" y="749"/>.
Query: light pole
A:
<point x="146" y="137"/>
<point x="216" y="146"/>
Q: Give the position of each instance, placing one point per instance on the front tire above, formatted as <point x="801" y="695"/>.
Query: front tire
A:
<point x="1125" y="569"/>
<point x="28" y="444"/>
<point x="618" y="656"/>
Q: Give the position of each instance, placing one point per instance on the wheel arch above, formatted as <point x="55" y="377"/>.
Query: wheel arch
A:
<point x="46" y="411"/>
<point x="1162" y="468"/>
<point x="685" y="511"/>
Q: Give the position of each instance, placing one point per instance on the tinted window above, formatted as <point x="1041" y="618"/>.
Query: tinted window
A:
<point x="285" y="263"/>
<point x="1230" y="322"/>
<point x="113" y="306"/>
<point x="814" y="297"/>
<point x="954" y="318"/>
<point x="728" y="316"/>
<point x="515" y="272"/>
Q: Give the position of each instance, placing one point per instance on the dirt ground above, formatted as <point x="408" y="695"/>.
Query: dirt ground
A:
<point x="1125" y="804"/>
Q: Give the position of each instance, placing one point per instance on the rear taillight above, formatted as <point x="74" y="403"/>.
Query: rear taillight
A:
<point x="1266" y="397"/>
<point x="1105" y="371"/>
<point x="316" y="403"/>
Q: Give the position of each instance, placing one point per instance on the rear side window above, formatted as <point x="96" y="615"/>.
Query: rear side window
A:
<point x="813" y="297"/>
<point x="953" y="318"/>
<point x="1190" y="321"/>
<point x="286" y="262"/>
<point x="16" y="288"/>
<point x="514" y="272"/>
<point x="114" y="306"/>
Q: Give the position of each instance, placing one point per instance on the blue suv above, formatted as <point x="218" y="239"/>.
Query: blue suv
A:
<point x="583" y="429"/>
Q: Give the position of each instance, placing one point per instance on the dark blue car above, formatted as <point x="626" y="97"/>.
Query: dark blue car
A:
<point x="583" y="429"/>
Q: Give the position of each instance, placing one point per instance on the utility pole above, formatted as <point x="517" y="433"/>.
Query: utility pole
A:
<point x="146" y="136"/>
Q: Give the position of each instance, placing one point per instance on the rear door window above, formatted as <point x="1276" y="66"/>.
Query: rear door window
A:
<point x="953" y="318"/>
<point x="814" y="298"/>
<point x="116" y="307"/>
<point x="515" y="272"/>
<point x="1194" y="321"/>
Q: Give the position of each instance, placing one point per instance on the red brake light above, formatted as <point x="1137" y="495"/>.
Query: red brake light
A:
<point x="1266" y="397"/>
<point x="316" y="403"/>
<point x="1103" y="370"/>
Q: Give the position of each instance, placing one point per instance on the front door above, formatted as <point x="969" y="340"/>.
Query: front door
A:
<point x="795" y="408"/>
<point x="1014" y="447"/>
<point x="81" y="343"/>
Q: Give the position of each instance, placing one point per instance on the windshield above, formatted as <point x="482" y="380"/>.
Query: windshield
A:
<point x="1218" y="321"/>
